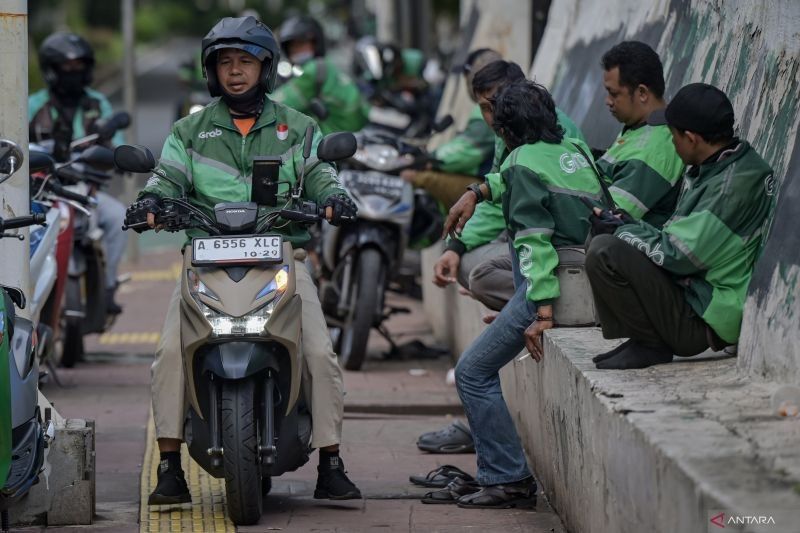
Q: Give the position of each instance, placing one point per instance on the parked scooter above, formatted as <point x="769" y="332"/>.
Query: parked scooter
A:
<point x="84" y="308"/>
<point x="55" y="244"/>
<point x="241" y="335"/>
<point x="361" y="259"/>
<point x="24" y="434"/>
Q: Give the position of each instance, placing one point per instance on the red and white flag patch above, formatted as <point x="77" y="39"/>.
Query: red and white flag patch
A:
<point x="282" y="131"/>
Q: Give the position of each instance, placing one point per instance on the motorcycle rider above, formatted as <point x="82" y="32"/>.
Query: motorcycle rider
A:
<point x="303" y="43"/>
<point x="207" y="153"/>
<point x="66" y="110"/>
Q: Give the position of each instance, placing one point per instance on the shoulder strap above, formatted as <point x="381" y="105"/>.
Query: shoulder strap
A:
<point x="606" y="193"/>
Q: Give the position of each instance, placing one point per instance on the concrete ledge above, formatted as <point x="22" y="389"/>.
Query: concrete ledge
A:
<point x="657" y="449"/>
<point x="65" y="494"/>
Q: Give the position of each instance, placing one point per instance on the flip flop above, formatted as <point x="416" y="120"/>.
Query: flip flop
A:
<point x="455" y="438"/>
<point x="441" y="477"/>
<point x="452" y="492"/>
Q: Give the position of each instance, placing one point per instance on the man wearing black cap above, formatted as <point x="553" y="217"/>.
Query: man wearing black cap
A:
<point x="681" y="289"/>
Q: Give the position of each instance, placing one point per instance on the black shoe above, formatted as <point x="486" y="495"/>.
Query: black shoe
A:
<point x="637" y="355"/>
<point x="333" y="484"/>
<point x="606" y="355"/>
<point x="112" y="307"/>
<point x="518" y="494"/>
<point x="171" y="487"/>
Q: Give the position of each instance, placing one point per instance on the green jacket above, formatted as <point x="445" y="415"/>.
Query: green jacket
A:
<point x="208" y="156"/>
<point x="322" y="79"/>
<point x="644" y="172"/>
<point x="468" y="150"/>
<point x="540" y="186"/>
<point x="711" y="242"/>
<point x="42" y="115"/>
<point x="487" y="221"/>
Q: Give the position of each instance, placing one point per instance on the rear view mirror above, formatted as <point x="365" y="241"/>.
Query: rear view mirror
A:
<point x="134" y="158"/>
<point x="443" y="123"/>
<point x="106" y="128"/>
<point x="11" y="159"/>
<point x="98" y="156"/>
<point x="336" y="146"/>
<point x="39" y="161"/>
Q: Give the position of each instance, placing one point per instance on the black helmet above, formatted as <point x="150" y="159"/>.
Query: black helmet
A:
<point x="244" y="33"/>
<point x="59" y="48"/>
<point x="304" y="28"/>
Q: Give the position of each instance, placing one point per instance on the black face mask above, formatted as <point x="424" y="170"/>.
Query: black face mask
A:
<point x="69" y="86"/>
<point x="248" y="104"/>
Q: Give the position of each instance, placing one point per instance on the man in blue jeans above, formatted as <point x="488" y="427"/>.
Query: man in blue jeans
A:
<point x="540" y="184"/>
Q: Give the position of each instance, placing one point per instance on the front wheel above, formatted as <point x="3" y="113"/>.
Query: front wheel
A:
<point x="365" y="295"/>
<point x="243" y="483"/>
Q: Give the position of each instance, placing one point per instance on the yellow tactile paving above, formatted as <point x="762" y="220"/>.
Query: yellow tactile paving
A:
<point x="206" y="513"/>
<point x="147" y="337"/>
<point x="165" y="274"/>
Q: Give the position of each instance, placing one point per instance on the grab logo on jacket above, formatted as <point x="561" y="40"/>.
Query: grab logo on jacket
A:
<point x="572" y="162"/>
<point x="210" y="134"/>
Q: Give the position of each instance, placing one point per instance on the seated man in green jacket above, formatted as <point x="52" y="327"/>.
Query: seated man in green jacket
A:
<point x="467" y="156"/>
<point x="641" y="166"/>
<point x="693" y="273"/>
<point x="475" y="244"/>
<point x="322" y="89"/>
<point x="539" y="186"/>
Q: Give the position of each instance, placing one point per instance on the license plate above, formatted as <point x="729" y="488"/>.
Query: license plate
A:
<point x="247" y="249"/>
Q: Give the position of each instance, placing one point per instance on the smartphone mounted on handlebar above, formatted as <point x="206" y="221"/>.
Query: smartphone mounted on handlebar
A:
<point x="265" y="180"/>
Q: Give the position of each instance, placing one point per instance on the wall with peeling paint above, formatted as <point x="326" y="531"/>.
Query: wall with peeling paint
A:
<point x="751" y="50"/>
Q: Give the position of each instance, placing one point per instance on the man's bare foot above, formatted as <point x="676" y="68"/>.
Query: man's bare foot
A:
<point x="488" y="319"/>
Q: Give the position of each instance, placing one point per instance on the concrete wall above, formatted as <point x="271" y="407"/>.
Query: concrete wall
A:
<point x="750" y="49"/>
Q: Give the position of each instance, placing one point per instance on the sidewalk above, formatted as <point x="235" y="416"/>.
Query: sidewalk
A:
<point x="386" y="408"/>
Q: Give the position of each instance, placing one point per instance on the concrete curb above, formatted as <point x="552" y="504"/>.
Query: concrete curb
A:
<point x="659" y="449"/>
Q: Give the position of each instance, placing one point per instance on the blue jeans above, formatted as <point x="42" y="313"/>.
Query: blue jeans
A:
<point x="501" y="459"/>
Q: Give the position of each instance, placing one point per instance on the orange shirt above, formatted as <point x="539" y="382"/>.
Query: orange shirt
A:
<point x="244" y="125"/>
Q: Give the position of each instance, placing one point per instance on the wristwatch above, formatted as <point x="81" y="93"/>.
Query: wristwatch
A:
<point x="476" y="188"/>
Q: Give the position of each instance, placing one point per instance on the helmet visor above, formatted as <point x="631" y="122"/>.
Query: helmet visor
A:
<point x="262" y="54"/>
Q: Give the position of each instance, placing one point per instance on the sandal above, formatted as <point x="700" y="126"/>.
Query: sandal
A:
<point x="441" y="477"/>
<point x="519" y="494"/>
<point x="452" y="492"/>
<point x="455" y="438"/>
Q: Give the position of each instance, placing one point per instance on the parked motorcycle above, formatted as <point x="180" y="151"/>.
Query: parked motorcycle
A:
<point x="361" y="259"/>
<point x="241" y="335"/>
<point x="84" y="308"/>
<point x="24" y="434"/>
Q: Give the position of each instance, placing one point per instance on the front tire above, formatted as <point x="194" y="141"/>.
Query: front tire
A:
<point x="243" y="483"/>
<point x="365" y="295"/>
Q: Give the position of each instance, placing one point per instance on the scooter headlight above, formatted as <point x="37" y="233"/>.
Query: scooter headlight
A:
<point x="252" y="323"/>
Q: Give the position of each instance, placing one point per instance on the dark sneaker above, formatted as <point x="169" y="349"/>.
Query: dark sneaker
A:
<point x="112" y="307"/>
<point x="171" y="487"/>
<point x="333" y="484"/>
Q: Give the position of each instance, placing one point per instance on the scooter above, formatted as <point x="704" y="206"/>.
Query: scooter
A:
<point x="361" y="259"/>
<point x="249" y="418"/>
<point x="53" y="243"/>
<point x="24" y="434"/>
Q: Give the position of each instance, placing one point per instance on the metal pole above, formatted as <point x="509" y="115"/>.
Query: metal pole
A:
<point x="129" y="97"/>
<point x="14" y="196"/>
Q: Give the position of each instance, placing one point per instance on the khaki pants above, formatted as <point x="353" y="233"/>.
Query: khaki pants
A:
<point x="445" y="188"/>
<point x="321" y="369"/>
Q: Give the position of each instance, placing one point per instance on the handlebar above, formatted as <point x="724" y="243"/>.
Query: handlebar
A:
<point x="69" y="195"/>
<point x="21" y="222"/>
